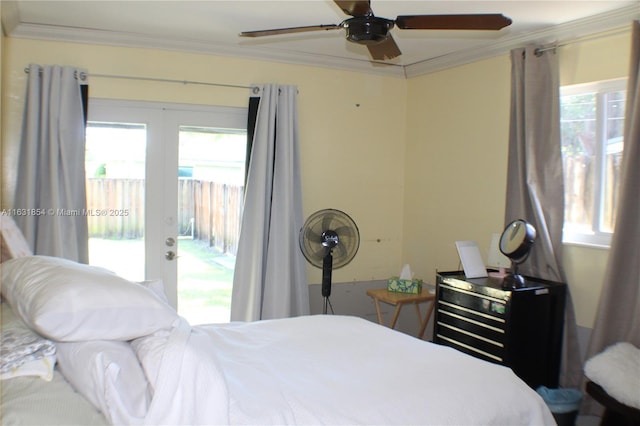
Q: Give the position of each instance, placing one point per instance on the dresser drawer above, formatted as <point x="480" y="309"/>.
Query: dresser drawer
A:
<point x="470" y="343"/>
<point x="472" y="322"/>
<point x="475" y="305"/>
<point x="461" y="318"/>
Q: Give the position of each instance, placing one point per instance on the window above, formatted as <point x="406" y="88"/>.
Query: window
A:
<point x="592" y="128"/>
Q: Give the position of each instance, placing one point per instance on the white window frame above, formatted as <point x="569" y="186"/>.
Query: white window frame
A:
<point x="597" y="238"/>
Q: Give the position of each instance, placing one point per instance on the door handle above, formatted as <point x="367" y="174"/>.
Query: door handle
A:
<point x="170" y="255"/>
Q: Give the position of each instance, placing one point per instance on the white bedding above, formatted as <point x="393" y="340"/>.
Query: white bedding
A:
<point x="305" y="370"/>
<point x="326" y="370"/>
<point x="33" y="401"/>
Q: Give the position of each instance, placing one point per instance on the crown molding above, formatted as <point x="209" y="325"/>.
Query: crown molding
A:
<point x="569" y="31"/>
<point x="572" y="30"/>
<point x="112" y="38"/>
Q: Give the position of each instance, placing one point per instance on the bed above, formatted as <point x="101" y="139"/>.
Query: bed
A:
<point x="110" y="351"/>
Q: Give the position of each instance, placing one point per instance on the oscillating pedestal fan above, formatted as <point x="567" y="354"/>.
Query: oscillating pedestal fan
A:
<point x="329" y="239"/>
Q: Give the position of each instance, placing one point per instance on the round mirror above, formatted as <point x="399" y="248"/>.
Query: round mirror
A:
<point x="515" y="243"/>
<point x="517" y="239"/>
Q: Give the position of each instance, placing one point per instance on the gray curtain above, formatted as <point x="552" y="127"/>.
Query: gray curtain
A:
<point x="50" y="186"/>
<point x="535" y="190"/>
<point x="270" y="273"/>
<point x="618" y="315"/>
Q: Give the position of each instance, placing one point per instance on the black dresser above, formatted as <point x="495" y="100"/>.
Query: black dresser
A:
<point x="520" y="328"/>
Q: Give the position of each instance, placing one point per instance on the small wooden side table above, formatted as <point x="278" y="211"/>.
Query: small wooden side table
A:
<point x="399" y="300"/>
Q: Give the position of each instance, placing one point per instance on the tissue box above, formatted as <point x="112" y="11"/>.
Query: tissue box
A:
<point x="405" y="286"/>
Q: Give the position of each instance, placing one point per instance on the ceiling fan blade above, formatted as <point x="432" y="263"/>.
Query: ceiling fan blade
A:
<point x="355" y="7"/>
<point x="489" y="21"/>
<point x="387" y="49"/>
<point x="291" y="30"/>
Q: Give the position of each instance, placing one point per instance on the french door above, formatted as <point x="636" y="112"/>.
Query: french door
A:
<point x="164" y="188"/>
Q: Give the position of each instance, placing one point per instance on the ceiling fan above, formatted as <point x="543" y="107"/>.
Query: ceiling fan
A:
<point x="365" y="28"/>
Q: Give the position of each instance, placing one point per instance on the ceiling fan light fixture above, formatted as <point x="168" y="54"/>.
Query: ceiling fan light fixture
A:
<point x="367" y="29"/>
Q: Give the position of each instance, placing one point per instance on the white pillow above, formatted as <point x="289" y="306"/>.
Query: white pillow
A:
<point x="157" y="287"/>
<point x="68" y="301"/>
<point x="108" y="374"/>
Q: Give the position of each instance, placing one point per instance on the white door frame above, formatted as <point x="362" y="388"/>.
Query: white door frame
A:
<point x="161" y="176"/>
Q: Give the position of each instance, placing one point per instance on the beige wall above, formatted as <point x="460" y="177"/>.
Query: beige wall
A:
<point x="456" y="157"/>
<point x="457" y="141"/>
<point x="418" y="163"/>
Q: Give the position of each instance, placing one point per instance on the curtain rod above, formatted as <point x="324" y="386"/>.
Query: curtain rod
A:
<point x="83" y="76"/>
<point x="539" y="51"/>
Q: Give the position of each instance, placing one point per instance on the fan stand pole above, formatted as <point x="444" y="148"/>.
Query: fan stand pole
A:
<point x="327" y="266"/>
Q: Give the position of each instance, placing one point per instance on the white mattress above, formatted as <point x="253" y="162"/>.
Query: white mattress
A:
<point x="325" y="369"/>
<point x="33" y="401"/>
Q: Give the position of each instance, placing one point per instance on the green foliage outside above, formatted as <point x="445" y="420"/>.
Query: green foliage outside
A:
<point x="205" y="279"/>
<point x="205" y="276"/>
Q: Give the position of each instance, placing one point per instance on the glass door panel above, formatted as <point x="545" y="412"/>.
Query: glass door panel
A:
<point x="115" y="162"/>
<point x="211" y="170"/>
<point x="124" y="167"/>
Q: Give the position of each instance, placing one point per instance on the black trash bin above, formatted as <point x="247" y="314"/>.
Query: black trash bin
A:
<point x="563" y="404"/>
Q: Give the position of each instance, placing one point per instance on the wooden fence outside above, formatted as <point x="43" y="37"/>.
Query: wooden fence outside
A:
<point x="207" y="211"/>
<point x="211" y="212"/>
<point x="579" y="191"/>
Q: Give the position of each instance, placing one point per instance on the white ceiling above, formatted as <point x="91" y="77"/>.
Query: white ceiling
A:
<point x="212" y="26"/>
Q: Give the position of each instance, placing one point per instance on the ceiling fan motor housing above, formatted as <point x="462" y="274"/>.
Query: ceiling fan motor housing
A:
<point x="367" y="29"/>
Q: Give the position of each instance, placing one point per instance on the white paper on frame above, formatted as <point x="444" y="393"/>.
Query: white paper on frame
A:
<point x="471" y="259"/>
